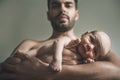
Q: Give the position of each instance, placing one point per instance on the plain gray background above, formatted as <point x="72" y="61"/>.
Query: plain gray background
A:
<point x="26" y="19"/>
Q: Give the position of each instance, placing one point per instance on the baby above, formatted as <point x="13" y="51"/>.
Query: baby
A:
<point x="91" y="47"/>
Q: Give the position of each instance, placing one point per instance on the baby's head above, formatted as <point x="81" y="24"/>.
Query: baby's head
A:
<point x="94" y="44"/>
<point x="104" y="42"/>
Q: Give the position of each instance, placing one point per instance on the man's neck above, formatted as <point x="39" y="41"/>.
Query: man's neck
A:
<point x="69" y="34"/>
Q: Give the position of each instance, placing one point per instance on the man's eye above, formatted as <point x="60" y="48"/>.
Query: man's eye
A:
<point x="69" y="5"/>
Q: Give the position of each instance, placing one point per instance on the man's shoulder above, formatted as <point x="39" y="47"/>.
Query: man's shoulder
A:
<point x="29" y="41"/>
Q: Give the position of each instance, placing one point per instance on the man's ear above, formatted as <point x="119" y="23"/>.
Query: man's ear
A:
<point x="77" y="15"/>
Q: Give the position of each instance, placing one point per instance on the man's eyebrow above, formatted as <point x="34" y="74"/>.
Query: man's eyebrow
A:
<point x="68" y="2"/>
<point x="57" y="2"/>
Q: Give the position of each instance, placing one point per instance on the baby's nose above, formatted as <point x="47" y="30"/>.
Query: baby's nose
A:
<point x="90" y="47"/>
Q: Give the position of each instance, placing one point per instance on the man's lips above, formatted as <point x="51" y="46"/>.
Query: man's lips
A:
<point x="63" y="17"/>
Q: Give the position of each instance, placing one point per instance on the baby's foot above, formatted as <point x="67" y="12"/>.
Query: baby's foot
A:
<point x="56" y="66"/>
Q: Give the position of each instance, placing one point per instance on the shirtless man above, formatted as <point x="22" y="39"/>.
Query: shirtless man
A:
<point x="62" y="14"/>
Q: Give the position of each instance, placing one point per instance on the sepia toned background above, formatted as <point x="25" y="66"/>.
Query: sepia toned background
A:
<point x="26" y="19"/>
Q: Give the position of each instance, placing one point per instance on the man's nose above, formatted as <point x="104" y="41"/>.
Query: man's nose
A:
<point x="63" y="8"/>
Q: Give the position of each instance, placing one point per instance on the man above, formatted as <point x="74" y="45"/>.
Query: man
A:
<point x="62" y="14"/>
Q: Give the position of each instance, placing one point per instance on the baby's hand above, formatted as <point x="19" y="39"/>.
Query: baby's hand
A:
<point x="56" y="66"/>
<point x="89" y="60"/>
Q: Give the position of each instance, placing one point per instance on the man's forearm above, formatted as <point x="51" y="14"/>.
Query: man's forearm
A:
<point x="39" y="71"/>
<point x="94" y="71"/>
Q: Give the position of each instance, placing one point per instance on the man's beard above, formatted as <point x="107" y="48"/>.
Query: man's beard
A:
<point x="61" y="27"/>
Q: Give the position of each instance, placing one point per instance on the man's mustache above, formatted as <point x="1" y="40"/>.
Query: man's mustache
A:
<point x="62" y="14"/>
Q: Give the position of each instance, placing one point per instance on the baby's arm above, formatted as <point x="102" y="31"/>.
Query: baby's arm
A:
<point x="56" y="64"/>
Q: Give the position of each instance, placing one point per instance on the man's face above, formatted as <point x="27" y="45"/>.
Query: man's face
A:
<point x="62" y="14"/>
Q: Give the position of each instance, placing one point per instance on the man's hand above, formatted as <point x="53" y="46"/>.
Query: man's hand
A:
<point x="23" y="67"/>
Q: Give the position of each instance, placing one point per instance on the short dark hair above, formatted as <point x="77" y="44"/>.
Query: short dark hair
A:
<point x="76" y="3"/>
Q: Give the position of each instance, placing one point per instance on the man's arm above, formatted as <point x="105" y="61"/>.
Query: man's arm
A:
<point x="39" y="71"/>
<point x="93" y="71"/>
<point x="113" y="58"/>
<point x="26" y="47"/>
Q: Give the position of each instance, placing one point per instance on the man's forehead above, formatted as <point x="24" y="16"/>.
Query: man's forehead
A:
<point x="63" y="1"/>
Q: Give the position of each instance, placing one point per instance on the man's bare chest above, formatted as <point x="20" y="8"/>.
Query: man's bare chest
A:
<point x="46" y="53"/>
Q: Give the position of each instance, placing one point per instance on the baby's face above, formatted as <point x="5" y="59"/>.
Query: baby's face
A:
<point x="88" y="46"/>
